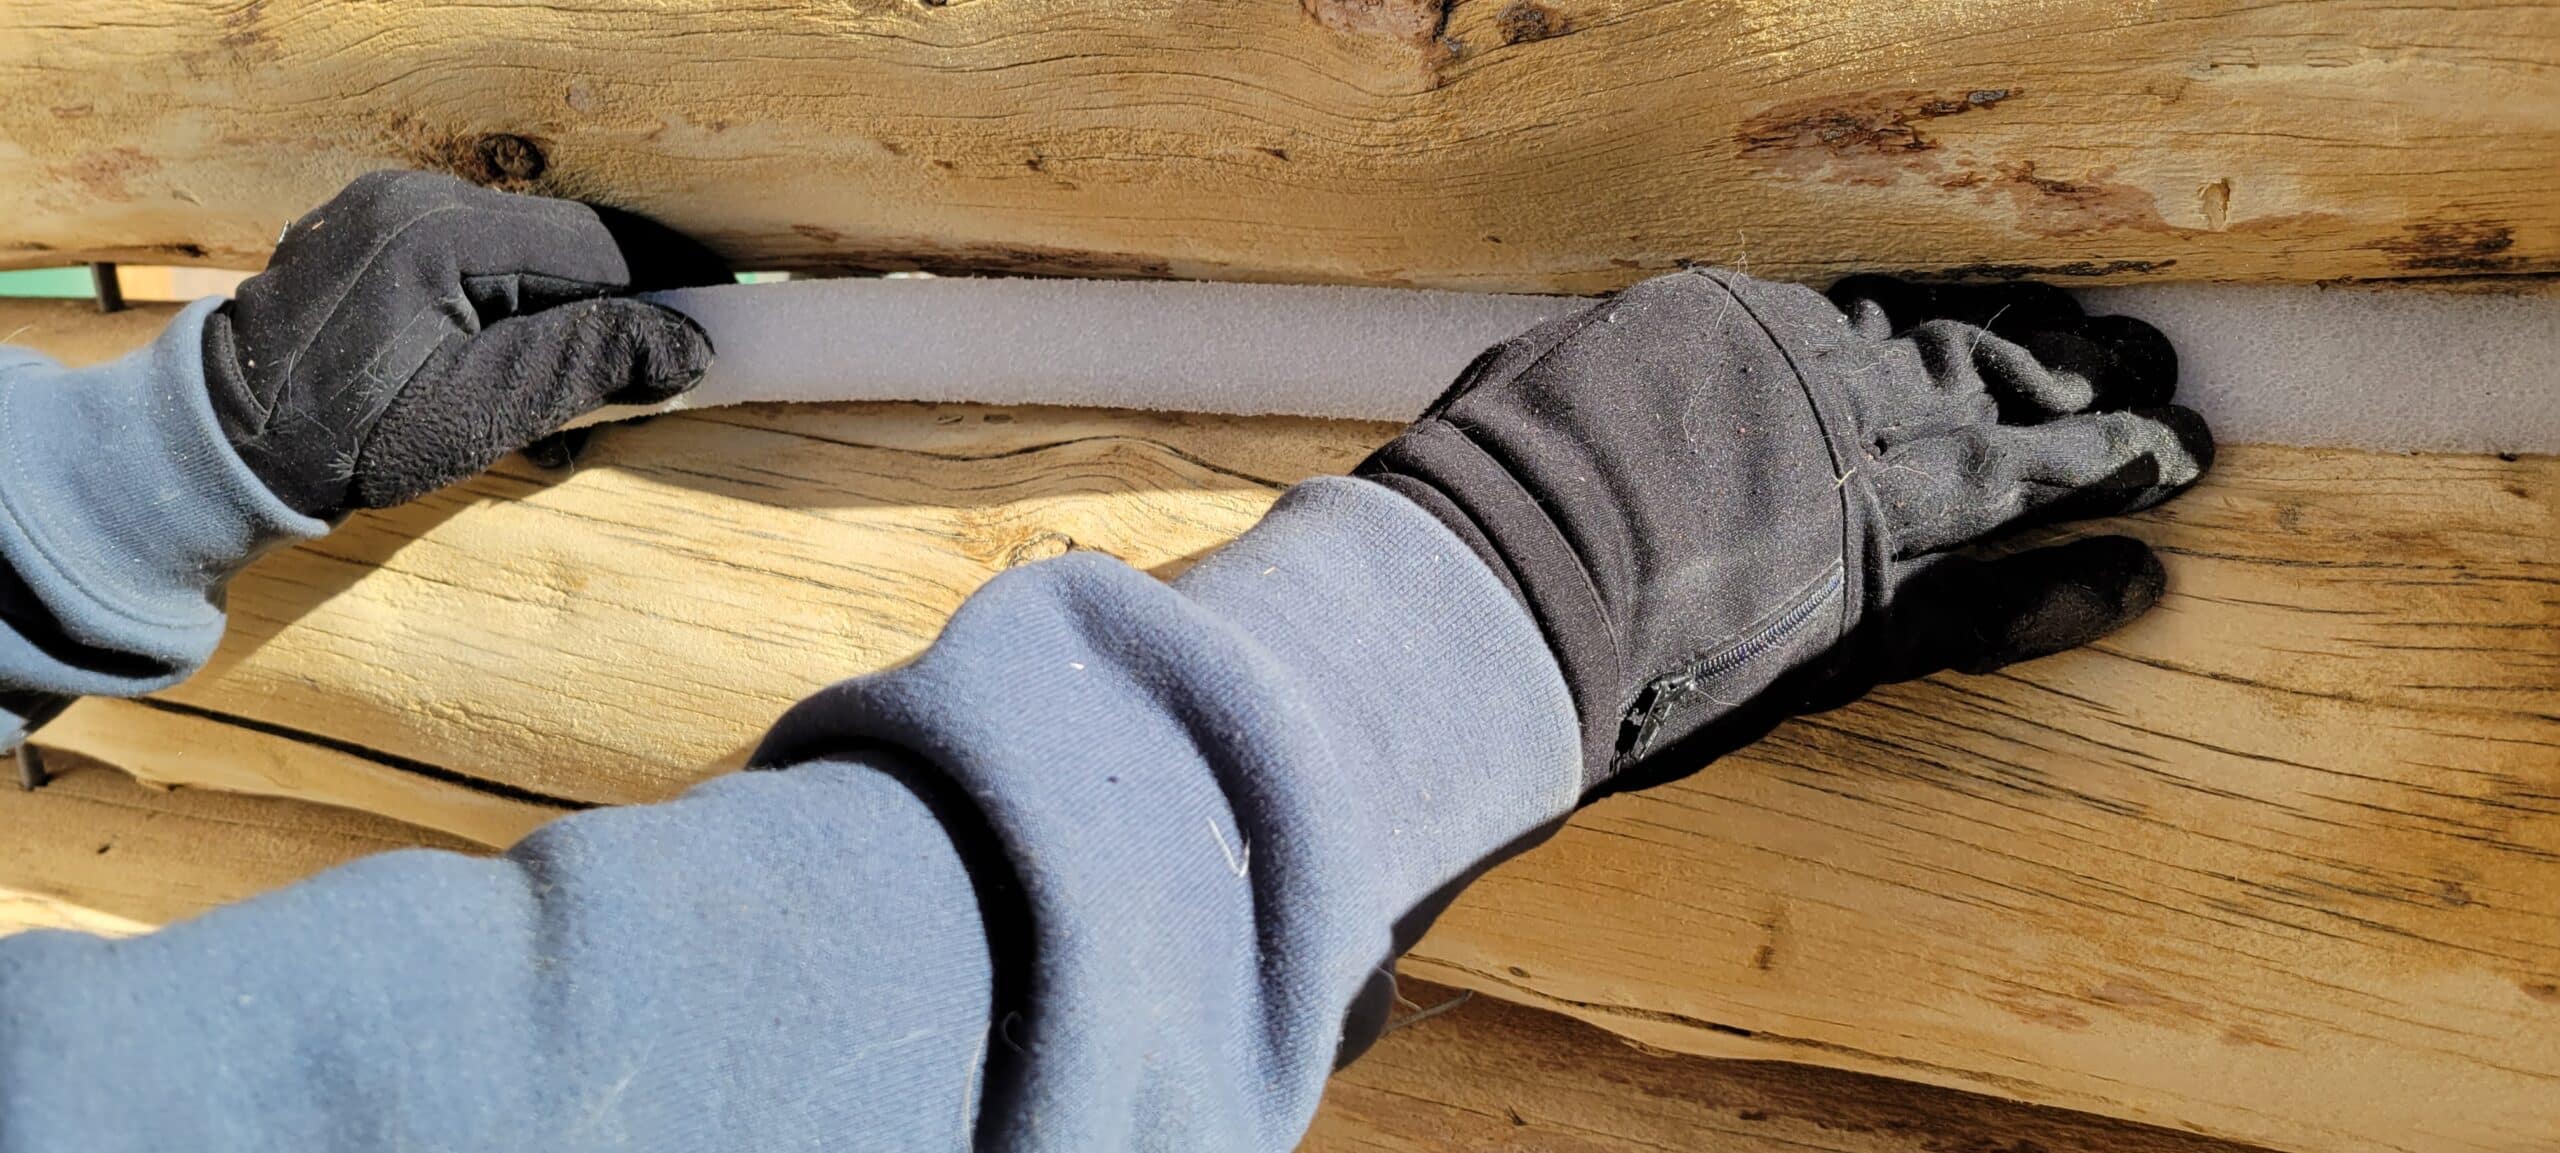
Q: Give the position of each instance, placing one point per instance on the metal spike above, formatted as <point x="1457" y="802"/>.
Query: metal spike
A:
<point x="31" y="774"/>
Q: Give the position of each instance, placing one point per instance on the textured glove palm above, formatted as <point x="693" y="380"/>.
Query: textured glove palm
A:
<point x="416" y="328"/>
<point x="1726" y="501"/>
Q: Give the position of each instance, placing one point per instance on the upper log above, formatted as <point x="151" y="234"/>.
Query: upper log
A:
<point x="1538" y="145"/>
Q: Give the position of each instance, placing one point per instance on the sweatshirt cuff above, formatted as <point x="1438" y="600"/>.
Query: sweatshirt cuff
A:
<point x="123" y="508"/>
<point x="1347" y="677"/>
<point x="1225" y="805"/>
<point x="1448" y="717"/>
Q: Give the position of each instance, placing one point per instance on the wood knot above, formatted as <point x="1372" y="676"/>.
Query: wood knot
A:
<point x="1525" y="21"/>
<point x="1048" y="545"/>
<point x="504" y="158"/>
<point x="501" y="160"/>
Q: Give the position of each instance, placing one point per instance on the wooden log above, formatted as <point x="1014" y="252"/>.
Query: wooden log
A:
<point x="162" y="744"/>
<point x="96" y="850"/>
<point x="1565" y="145"/>
<point x="2275" y="864"/>
<point x="1485" y="1074"/>
<point x="1478" y="1074"/>
<point x="75" y="332"/>
<point x="21" y="911"/>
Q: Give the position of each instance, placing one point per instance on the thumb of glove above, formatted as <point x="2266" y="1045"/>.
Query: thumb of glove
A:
<point x="519" y="379"/>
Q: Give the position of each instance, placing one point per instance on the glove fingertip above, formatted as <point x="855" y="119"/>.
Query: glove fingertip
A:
<point x="2144" y="364"/>
<point x="2068" y="596"/>
<point x="2192" y="440"/>
<point x="672" y="355"/>
<point x="2168" y="449"/>
<point x="2118" y="578"/>
<point x="2132" y="567"/>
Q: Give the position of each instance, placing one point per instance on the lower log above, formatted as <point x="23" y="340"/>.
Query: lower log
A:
<point x="1486" y="1074"/>
<point x="2275" y="864"/>
<point x="94" y="849"/>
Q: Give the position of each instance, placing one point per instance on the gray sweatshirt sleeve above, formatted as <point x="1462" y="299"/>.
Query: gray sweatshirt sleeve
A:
<point x="1115" y="864"/>
<point x="122" y="513"/>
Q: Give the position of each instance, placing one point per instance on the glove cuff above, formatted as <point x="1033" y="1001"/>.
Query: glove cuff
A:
<point x="1660" y="479"/>
<point x="1438" y="467"/>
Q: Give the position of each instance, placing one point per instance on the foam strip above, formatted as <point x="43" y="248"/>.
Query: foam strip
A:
<point x="1248" y="349"/>
<point x="2391" y="369"/>
<point x="2397" y="369"/>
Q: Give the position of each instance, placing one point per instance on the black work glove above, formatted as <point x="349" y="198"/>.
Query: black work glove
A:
<point x="415" y="329"/>
<point x="1727" y="502"/>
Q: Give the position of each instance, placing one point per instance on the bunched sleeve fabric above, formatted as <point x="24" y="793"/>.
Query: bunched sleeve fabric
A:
<point x="1228" y="804"/>
<point x="123" y="511"/>
<point x="1113" y="865"/>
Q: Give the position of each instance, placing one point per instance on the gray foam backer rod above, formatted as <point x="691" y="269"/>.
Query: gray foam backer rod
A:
<point x="2393" y="369"/>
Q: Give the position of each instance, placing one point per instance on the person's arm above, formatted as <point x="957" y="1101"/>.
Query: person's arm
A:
<point x="1104" y="869"/>
<point x="122" y="511"/>
<point x="1117" y="864"/>
<point x="777" y="959"/>
<point x="406" y="335"/>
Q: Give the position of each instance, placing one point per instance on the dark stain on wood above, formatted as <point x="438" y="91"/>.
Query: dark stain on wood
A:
<point x="2455" y="246"/>
<point x="2020" y="271"/>
<point x="1773" y="930"/>
<point x="1884" y="138"/>
<point x="927" y="256"/>
<point x="1874" y="138"/>
<point x="2049" y="206"/>
<point x="106" y="174"/>
<point x="243" y="34"/>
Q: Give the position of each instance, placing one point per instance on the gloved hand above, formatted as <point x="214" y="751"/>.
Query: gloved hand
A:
<point x="415" y="329"/>
<point x="1726" y="501"/>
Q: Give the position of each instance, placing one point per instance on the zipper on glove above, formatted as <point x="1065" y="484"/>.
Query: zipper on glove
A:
<point x="1666" y="694"/>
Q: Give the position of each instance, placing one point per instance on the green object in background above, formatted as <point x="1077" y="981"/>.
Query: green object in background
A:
<point x="46" y="282"/>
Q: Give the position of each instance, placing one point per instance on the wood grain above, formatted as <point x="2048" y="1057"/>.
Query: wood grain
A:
<point x="166" y="745"/>
<point x="1484" y="1074"/>
<point x="1558" y="145"/>
<point x="2277" y="864"/>
<point x="21" y="911"/>
<point x="75" y="332"/>
<point x="95" y="849"/>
